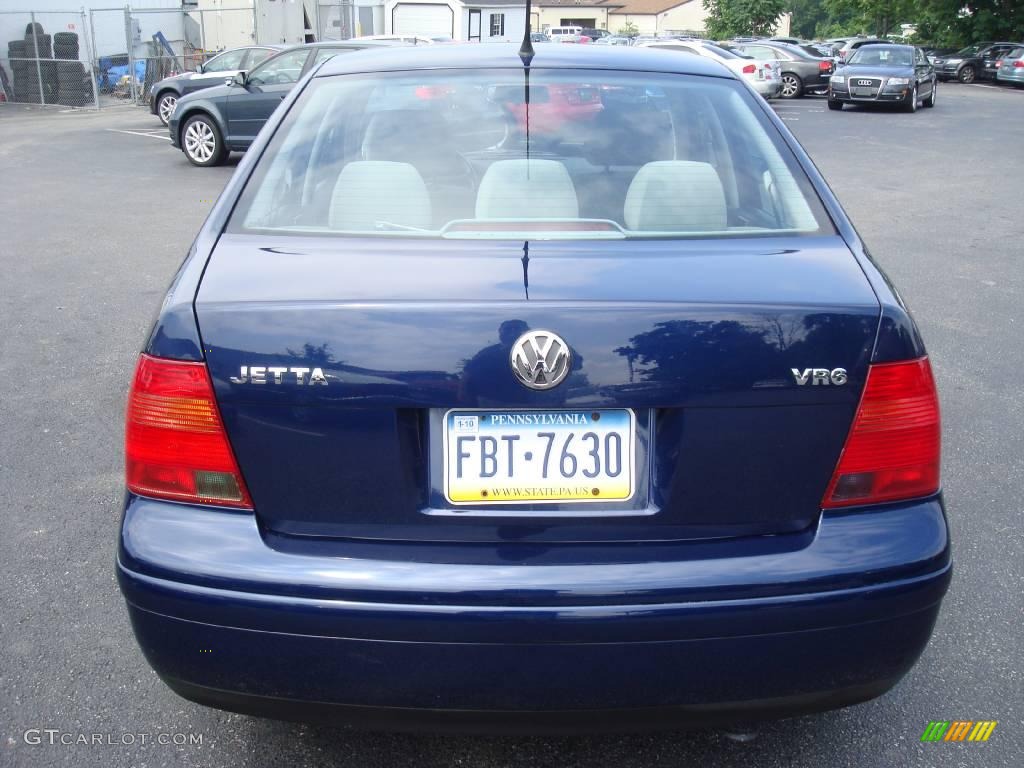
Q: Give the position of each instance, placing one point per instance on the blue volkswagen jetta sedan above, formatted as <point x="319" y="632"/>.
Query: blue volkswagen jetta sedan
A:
<point x="531" y="393"/>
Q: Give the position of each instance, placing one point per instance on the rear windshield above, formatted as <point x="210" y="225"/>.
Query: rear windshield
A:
<point x="726" y="54"/>
<point x="572" y="155"/>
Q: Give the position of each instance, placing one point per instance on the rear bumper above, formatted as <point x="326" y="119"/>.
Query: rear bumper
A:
<point x="439" y="646"/>
<point x="769" y="89"/>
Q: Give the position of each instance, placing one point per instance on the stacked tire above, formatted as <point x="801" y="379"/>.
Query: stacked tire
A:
<point x="19" y="68"/>
<point x="39" y="78"/>
<point x="35" y="81"/>
<point x="65" y="46"/>
<point x="73" y="87"/>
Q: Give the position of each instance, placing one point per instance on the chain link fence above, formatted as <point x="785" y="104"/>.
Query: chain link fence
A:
<point x="47" y="58"/>
<point x="157" y="42"/>
<point x="102" y="57"/>
<point x="105" y="56"/>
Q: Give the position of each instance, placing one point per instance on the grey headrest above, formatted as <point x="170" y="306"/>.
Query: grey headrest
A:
<point x="527" y="189"/>
<point x="372" y="191"/>
<point x="676" y="196"/>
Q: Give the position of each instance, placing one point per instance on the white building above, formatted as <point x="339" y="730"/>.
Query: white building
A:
<point x="464" y="20"/>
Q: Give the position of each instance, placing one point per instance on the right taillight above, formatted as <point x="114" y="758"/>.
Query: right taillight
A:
<point x="892" y="451"/>
<point x="825" y="66"/>
<point x="1018" y="63"/>
<point x="175" y="444"/>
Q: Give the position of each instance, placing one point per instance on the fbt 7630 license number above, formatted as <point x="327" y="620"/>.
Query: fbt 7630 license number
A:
<point x="509" y="457"/>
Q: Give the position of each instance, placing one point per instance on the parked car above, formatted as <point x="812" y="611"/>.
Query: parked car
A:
<point x="614" y="40"/>
<point x="1011" y="67"/>
<point x="761" y="75"/>
<point x="853" y="44"/>
<point x="539" y="37"/>
<point x="165" y="93"/>
<point x="884" y="74"/>
<point x="406" y="39"/>
<point x="990" y="58"/>
<point x="565" y="34"/>
<point x="595" y="34"/>
<point x="973" y="62"/>
<point x="209" y="125"/>
<point x="438" y="432"/>
<point x="800" y="71"/>
<point x="828" y="50"/>
<point x="937" y="53"/>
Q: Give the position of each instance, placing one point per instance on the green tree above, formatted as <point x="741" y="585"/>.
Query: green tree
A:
<point x="730" y="18"/>
<point x="806" y="16"/>
<point x="629" y="29"/>
<point x="875" y="17"/>
<point x="977" y="20"/>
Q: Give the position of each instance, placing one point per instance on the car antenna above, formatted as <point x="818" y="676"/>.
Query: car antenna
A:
<point x="526" y="51"/>
<point x="526" y="55"/>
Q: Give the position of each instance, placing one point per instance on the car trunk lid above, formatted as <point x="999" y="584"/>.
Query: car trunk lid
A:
<point x="704" y="343"/>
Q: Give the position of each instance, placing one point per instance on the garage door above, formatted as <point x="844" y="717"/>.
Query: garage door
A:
<point x="422" y="19"/>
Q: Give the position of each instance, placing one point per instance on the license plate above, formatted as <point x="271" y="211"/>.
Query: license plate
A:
<point x="863" y="91"/>
<point x="517" y="457"/>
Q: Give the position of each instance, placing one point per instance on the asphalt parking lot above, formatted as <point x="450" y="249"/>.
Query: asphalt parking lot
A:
<point x="97" y="211"/>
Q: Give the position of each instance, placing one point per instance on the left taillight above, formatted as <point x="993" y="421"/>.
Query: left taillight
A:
<point x="175" y="443"/>
<point x="749" y="69"/>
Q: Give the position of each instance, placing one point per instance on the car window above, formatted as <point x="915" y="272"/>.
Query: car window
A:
<point x="257" y="56"/>
<point x="722" y="53"/>
<point x="760" y="52"/>
<point x="878" y="56"/>
<point x="576" y="154"/>
<point x="226" y="62"/>
<point x="283" y="68"/>
<point x="672" y="47"/>
<point x="1016" y="53"/>
<point x="323" y="54"/>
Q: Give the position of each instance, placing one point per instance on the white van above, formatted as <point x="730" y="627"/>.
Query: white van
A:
<point x="565" y="34"/>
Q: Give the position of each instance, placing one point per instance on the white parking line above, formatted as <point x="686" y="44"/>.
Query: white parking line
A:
<point x="139" y="133"/>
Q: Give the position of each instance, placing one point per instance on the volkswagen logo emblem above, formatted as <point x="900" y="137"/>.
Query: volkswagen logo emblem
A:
<point x="540" y="359"/>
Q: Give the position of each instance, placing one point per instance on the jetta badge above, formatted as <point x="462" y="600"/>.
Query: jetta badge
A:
<point x="540" y="359"/>
<point x="273" y="374"/>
